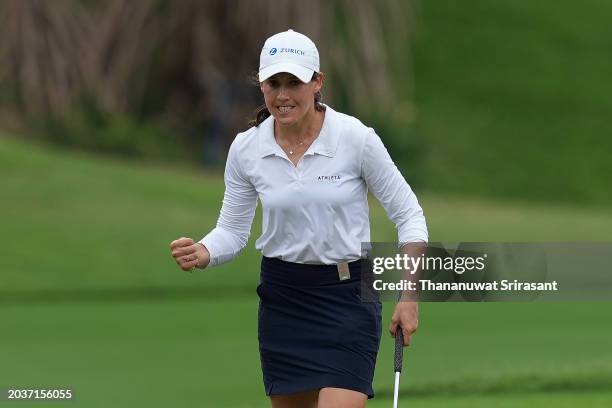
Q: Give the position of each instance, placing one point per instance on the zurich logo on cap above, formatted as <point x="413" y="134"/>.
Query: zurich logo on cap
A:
<point x="273" y="51"/>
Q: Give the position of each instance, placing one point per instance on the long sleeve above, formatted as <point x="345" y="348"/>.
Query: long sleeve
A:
<point x="391" y="189"/>
<point x="233" y="228"/>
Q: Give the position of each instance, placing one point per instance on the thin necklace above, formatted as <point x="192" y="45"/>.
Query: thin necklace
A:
<point x="292" y="149"/>
<point x="301" y="143"/>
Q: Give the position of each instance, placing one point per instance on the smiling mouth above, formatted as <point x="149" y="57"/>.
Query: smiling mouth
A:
<point x="285" y="109"/>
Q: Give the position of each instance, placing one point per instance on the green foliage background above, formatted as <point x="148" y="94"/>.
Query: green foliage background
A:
<point x="513" y="99"/>
<point x="486" y="98"/>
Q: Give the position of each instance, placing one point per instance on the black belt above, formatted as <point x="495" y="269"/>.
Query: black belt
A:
<point x="277" y="271"/>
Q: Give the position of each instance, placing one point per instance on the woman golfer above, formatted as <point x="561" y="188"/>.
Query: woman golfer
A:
<point x="311" y="168"/>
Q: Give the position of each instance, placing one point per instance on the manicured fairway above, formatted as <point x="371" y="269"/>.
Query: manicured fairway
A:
<point x="89" y="298"/>
<point x="558" y="400"/>
<point x="181" y="353"/>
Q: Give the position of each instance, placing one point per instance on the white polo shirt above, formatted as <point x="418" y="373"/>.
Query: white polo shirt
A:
<point x="315" y="212"/>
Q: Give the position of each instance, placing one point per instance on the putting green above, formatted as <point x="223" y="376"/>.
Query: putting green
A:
<point x="183" y="353"/>
<point x="558" y="400"/>
<point x="103" y="309"/>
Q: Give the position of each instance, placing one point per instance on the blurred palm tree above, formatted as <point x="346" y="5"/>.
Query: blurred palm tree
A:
<point x="189" y="61"/>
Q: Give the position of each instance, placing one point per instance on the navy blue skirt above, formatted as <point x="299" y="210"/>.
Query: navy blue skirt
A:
<point x="314" y="331"/>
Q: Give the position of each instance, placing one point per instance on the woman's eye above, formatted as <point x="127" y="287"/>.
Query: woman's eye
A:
<point x="273" y="84"/>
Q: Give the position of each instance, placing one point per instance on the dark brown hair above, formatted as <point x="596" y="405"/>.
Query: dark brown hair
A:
<point x="262" y="112"/>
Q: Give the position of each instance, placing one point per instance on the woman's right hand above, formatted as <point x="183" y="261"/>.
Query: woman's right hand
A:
<point x="189" y="254"/>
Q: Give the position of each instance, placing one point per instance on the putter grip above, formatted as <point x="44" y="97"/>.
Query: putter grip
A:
<point x="399" y="349"/>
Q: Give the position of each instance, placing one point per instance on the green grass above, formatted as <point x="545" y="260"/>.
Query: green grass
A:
<point x="182" y="352"/>
<point x="513" y="98"/>
<point x="98" y="224"/>
<point x="563" y="400"/>
<point x="90" y="298"/>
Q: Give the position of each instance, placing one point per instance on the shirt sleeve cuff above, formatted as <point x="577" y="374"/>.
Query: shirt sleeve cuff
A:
<point x="413" y="236"/>
<point x="222" y="246"/>
<point x="206" y="244"/>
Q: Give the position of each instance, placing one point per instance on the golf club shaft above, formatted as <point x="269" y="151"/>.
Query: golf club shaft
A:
<point x="399" y="356"/>
<point x="396" y="389"/>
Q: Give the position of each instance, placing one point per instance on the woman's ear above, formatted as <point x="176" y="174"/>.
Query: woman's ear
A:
<point x="319" y="81"/>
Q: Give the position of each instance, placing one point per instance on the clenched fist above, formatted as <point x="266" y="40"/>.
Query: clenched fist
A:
<point x="189" y="254"/>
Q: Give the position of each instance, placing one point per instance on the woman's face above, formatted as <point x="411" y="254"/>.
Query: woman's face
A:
<point x="288" y="99"/>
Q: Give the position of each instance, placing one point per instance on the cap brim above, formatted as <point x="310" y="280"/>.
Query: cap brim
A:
<point x="304" y="74"/>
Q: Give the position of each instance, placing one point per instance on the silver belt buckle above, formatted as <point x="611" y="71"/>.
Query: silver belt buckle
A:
<point x="343" y="271"/>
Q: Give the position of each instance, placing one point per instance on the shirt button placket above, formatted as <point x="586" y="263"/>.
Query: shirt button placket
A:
<point x="301" y="169"/>
<point x="298" y="175"/>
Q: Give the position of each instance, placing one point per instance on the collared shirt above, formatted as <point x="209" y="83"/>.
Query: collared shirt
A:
<point x="315" y="212"/>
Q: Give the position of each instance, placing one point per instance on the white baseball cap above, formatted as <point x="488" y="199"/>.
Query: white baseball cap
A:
<point x="290" y="52"/>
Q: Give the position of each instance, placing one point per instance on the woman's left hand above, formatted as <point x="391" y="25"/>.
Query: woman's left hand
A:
<point x="406" y="315"/>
